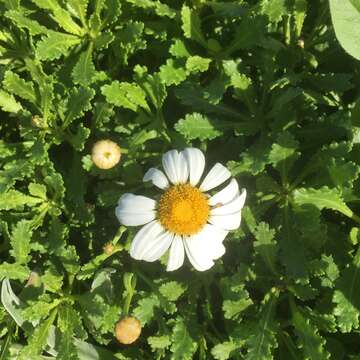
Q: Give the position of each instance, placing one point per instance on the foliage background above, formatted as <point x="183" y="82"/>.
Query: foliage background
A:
<point x="262" y="85"/>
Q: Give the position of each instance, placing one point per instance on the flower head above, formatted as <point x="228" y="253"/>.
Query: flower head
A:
<point x="105" y="154"/>
<point x="127" y="330"/>
<point x="185" y="218"/>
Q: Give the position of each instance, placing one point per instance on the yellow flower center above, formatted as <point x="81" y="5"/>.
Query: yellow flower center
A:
<point x="183" y="209"/>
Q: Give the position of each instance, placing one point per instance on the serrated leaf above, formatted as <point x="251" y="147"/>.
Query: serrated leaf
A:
<point x="159" y="342"/>
<point x="131" y="39"/>
<point x="18" y="86"/>
<point x="145" y="309"/>
<point x="197" y="64"/>
<point x="346" y="17"/>
<point x="265" y="245"/>
<point x="323" y="198"/>
<point x="14" y="271"/>
<point x="183" y="346"/>
<point x="310" y="341"/>
<point x="172" y="73"/>
<point x="37" y="340"/>
<point x="24" y="22"/>
<point x="14" y="199"/>
<point x="55" y="44"/>
<point x="124" y="94"/>
<point x="223" y="351"/>
<point x="84" y="70"/>
<point x="178" y="49"/>
<point x="20" y="241"/>
<point x="262" y="341"/>
<point x="172" y="290"/>
<point x="60" y="15"/>
<point x="8" y="102"/>
<point x="283" y="153"/>
<point x="78" y="102"/>
<point x="79" y="7"/>
<point x="197" y="126"/>
<point x="37" y="190"/>
<point x="274" y="9"/>
<point x="191" y="25"/>
<point x="346" y="297"/>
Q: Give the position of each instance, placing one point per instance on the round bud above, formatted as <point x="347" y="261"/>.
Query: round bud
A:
<point x="301" y="43"/>
<point x="108" y="248"/>
<point x="105" y="154"/>
<point x="127" y="330"/>
<point x="33" y="280"/>
<point x="38" y="122"/>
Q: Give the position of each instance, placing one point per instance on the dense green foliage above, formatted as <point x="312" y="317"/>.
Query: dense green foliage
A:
<point x="261" y="85"/>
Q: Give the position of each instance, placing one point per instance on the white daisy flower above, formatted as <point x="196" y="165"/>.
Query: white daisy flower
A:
<point x="185" y="218"/>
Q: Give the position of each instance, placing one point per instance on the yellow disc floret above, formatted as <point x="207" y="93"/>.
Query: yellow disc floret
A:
<point x="183" y="209"/>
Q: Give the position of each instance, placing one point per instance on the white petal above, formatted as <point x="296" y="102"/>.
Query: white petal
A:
<point x="214" y="238"/>
<point x="157" y="177"/>
<point x="232" y="207"/>
<point x="155" y="248"/>
<point x="226" y="222"/>
<point x="225" y="195"/>
<point x="196" y="163"/>
<point x="216" y="176"/>
<point x="175" y="166"/>
<point x="133" y="210"/>
<point x="176" y="254"/>
<point x="145" y="236"/>
<point x="198" y="253"/>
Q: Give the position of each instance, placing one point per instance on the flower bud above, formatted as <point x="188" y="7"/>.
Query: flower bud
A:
<point x="301" y="43"/>
<point x="108" y="248"/>
<point x="127" y="330"/>
<point x="105" y="154"/>
<point x="34" y="280"/>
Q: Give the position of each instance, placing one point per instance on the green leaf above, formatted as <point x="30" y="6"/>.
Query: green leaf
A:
<point x="197" y="64"/>
<point x="79" y="101"/>
<point x="274" y="9"/>
<point x="191" y="25"/>
<point x="172" y="290"/>
<point x="37" y="340"/>
<point x="14" y="199"/>
<point x="347" y="298"/>
<point x="197" y="126"/>
<point x="159" y="342"/>
<point x="183" y="346"/>
<point x="224" y="350"/>
<point x="20" y="241"/>
<point x="346" y="17"/>
<point x="8" y="102"/>
<point x="124" y="94"/>
<point x="262" y="340"/>
<point x="14" y="271"/>
<point x="84" y="70"/>
<point x="265" y="245"/>
<point x="131" y="39"/>
<point x="67" y="349"/>
<point x="80" y="7"/>
<point x="310" y="341"/>
<point x="322" y="198"/>
<point x="24" y="22"/>
<point x="55" y="44"/>
<point x="37" y="190"/>
<point x="60" y="15"/>
<point x="172" y="73"/>
<point x="145" y="309"/>
<point x="283" y="153"/>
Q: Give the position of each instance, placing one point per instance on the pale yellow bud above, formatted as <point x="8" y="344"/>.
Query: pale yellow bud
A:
<point x="105" y="154"/>
<point x="127" y="330"/>
<point x="108" y="248"/>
